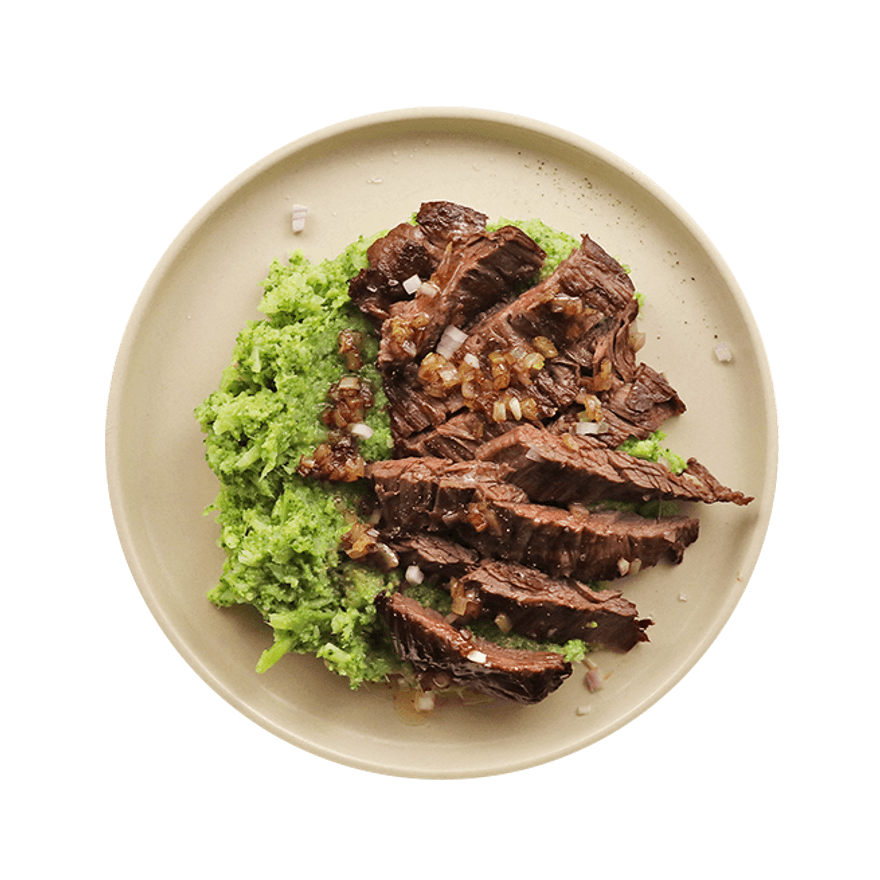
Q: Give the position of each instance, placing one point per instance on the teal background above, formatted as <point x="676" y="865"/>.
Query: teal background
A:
<point x="120" y="121"/>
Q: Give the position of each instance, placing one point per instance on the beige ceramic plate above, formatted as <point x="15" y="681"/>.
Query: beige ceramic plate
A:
<point x="367" y="175"/>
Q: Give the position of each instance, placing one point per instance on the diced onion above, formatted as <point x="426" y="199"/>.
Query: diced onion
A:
<point x="425" y="702"/>
<point x="532" y="454"/>
<point x="472" y="360"/>
<point x="450" y="341"/>
<point x="412" y="284"/>
<point x="414" y="575"/>
<point x="361" y="429"/>
<point x="593" y="680"/>
<point x="428" y="288"/>
<point x="477" y="657"/>
<point x="723" y="352"/>
<point x="387" y="556"/>
<point x="591" y="427"/>
<point x="298" y="217"/>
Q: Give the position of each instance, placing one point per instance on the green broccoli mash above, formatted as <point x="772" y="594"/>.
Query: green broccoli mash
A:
<point x="652" y="449"/>
<point x="281" y="531"/>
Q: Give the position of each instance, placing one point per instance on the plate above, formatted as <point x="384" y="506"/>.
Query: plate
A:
<point x="359" y="177"/>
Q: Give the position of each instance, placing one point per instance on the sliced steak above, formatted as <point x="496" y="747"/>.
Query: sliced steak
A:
<point x="646" y="401"/>
<point x="432" y="494"/>
<point x="434" y="555"/>
<point x="542" y="311"/>
<point x="534" y="604"/>
<point x="423" y="638"/>
<point x="475" y="273"/>
<point x="557" y="609"/>
<point x="410" y="249"/>
<point x="633" y="408"/>
<point x="411" y="409"/>
<point x="457" y="439"/>
<point x="565" y="468"/>
<point x="392" y="259"/>
<point x="712" y="487"/>
<point x="579" y="319"/>
<point x="442" y="222"/>
<point x="598" y="278"/>
<point x="600" y="546"/>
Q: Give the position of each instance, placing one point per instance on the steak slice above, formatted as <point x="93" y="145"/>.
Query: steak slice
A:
<point x="409" y="249"/>
<point x="584" y="288"/>
<point x="442" y="222"/>
<point x="646" y="401"/>
<point x="475" y="273"/>
<point x="600" y="546"/>
<point x="557" y="609"/>
<point x="565" y="468"/>
<point x="435" y="555"/>
<point x="411" y="409"/>
<point x="392" y="259"/>
<point x="423" y="638"/>
<point x="647" y="415"/>
<point x="432" y="494"/>
<point x="457" y="439"/>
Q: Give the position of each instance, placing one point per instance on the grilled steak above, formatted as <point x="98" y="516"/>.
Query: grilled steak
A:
<point x="458" y="438"/>
<point x="435" y="555"/>
<point x="566" y="468"/>
<point x="411" y="409"/>
<point x="410" y="249"/>
<point x="557" y="609"/>
<point x="533" y="603"/>
<point x="603" y="546"/>
<point x="442" y="222"/>
<point x="475" y="273"/>
<point x="433" y="646"/>
<point x="433" y="494"/>
<point x="403" y="252"/>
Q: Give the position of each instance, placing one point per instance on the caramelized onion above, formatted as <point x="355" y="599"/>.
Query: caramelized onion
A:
<point x="350" y="343"/>
<point x="545" y="346"/>
<point x="601" y="380"/>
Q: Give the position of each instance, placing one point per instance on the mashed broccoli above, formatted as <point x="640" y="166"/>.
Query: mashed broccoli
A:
<point x="280" y="531"/>
<point x="652" y="449"/>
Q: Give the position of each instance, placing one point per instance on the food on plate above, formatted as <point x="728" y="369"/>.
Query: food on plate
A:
<point x="440" y="453"/>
